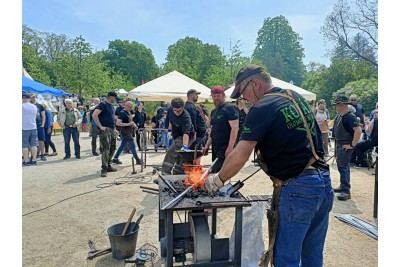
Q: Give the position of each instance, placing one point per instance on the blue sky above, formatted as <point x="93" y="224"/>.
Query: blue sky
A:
<point x="158" y="24"/>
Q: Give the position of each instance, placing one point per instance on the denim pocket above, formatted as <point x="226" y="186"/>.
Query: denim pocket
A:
<point x="302" y="208"/>
<point x="330" y="196"/>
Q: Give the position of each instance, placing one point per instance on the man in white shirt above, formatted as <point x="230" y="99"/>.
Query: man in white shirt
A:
<point x="29" y="130"/>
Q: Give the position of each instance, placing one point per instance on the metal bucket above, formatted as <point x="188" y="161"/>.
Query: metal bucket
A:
<point x="123" y="247"/>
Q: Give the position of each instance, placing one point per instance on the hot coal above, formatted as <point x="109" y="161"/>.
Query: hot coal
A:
<point x="180" y="186"/>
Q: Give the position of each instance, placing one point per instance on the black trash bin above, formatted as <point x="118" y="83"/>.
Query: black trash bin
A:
<point x="123" y="247"/>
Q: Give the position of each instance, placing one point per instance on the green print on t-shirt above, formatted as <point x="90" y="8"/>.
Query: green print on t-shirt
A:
<point x="293" y="118"/>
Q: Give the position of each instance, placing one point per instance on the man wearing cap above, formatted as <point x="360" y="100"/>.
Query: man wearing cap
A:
<point x="69" y="120"/>
<point x="182" y="133"/>
<point x="29" y="131"/>
<point x="347" y="132"/>
<point x="224" y="128"/>
<point x="281" y="128"/>
<point x="197" y="120"/>
<point x="104" y="118"/>
<point x="40" y="120"/>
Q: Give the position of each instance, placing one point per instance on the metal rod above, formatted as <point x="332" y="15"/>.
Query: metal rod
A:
<point x="179" y="197"/>
<point x="251" y="175"/>
<point x="150" y="192"/>
<point x="168" y="184"/>
<point x="148" y="188"/>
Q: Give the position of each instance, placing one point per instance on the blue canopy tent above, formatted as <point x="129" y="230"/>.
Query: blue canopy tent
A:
<point x="29" y="85"/>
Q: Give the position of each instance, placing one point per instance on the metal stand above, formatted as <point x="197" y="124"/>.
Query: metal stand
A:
<point x="169" y="230"/>
<point x="376" y="189"/>
<point x="145" y="150"/>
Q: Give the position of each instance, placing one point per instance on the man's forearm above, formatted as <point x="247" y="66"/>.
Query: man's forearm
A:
<point x="97" y="121"/>
<point x="233" y="136"/>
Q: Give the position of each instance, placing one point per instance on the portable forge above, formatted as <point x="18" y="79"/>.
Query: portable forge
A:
<point x="193" y="235"/>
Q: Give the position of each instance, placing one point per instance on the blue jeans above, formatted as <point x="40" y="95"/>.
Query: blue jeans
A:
<point x="343" y="158"/>
<point x="304" y="207"/>
<point x="67" y="133"/>
<point x="164" y="140"/>
<point x="124" y="143"/>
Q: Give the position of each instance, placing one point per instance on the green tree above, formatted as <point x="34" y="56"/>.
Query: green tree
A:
<point x="35" y="65"/>
<point x="279" y="48"/>
<point x="366" y="91"/>
<point x="132" y="59"/>
<point x="196" y="60"/>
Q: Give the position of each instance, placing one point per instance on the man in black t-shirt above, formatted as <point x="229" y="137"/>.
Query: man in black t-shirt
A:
<point x="197" y="120"/>
<point x="127" y="127"/>
<point x="182" y="133"/>
<point x="104" y="118"/>
<point x="140" y="120"/>
<point x="347" y="133"/>
<point x="290" y="152"/>
<point x="224" y="128"/>
<point x="40" y="120"/>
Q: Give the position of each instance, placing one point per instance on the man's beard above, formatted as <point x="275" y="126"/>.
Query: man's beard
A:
<point x="195" y="99"/>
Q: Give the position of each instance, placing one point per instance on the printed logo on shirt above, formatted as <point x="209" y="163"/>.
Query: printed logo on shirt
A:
<point x="246" y="130"/>
<point x="219" y="117"/>
<point x="293" y="118"/>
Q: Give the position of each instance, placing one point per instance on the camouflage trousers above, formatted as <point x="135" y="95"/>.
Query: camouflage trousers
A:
<point x="107" y="146"/>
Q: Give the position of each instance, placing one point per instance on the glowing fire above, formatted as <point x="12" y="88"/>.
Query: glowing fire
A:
<point x="194" y="173"/>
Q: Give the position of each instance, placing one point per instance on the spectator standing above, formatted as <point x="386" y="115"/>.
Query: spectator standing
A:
<point x="322" y="116"/>
<point x="195" y="115"/>
<point x="347" y="132"/>
<point x="40" y="120"/>
<point x="360" y="112"/>
<point x="127" y="127"/>
<point x="94" y="130"/>
<point x="29" y="131"/>
<point x="48" y="129"/>
<point x="84" y="119"/>
<point x="140" y="120"/>
<point x="104" y="117"/>
<point x="224" y="128"/>
<point x="69" y="120"/>
<point x="164" y="133"/>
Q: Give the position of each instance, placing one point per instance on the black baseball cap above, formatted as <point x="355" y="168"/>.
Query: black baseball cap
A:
<point x="114" y="94"/>
<point x="242" y="75"/>
<point x="26" y="95"/>
<point x="341" y="99"/>
<point x="193" y="91"/>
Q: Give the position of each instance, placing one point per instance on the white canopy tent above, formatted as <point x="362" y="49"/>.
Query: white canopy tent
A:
<point x="122" y="92"/>
<point x="169" y="86"/>
<point x="282" y="84"/>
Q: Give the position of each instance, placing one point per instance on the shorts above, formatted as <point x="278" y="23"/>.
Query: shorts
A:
<point x="40" y="133"/>
<point x="29" y="138"/>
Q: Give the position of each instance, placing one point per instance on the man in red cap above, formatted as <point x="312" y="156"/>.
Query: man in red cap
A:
<point x="224" y="128"/>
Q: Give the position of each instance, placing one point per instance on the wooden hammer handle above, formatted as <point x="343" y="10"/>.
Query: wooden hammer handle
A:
<point x="128" y="222"/>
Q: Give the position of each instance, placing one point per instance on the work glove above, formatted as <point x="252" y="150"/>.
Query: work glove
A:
<point x="213" y="184"/>
<point x="185" y="148"/>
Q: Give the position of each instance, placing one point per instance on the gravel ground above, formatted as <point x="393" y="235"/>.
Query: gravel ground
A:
<point x="58" y="235"/>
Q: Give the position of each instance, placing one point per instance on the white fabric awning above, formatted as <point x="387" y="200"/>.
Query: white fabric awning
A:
<point x="169" y="86"/>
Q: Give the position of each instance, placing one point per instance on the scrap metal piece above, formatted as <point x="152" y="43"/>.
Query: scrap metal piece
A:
<point x="361" y="225"/>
